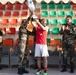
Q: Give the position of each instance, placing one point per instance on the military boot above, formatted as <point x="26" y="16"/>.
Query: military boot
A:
<point x="72" y="70"/>
<point x="20" y="72"/>
<point x="64" y="69"/>
<point x="0" y="68"/>
<point x="24" y="70"/>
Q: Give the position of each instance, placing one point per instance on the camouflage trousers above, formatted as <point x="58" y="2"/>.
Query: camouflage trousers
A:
<point x="23" y="52"/>
<point x="68" y="49"/>
<point x="1" y="48"/>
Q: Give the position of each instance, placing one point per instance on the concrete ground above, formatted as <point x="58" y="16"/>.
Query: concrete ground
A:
<point x="51" y="71"/>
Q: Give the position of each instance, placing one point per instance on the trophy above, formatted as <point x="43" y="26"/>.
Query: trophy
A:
<point x="31" y="5"/>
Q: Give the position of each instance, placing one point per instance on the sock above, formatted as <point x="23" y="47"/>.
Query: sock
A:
<point x="45" y="69"/>
<point x="39" y="68"/>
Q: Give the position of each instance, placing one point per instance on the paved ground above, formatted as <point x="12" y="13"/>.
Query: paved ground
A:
<point x="51" y="71"/>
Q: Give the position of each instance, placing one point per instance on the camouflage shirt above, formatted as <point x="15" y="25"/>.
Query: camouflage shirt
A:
<point x="69" y="35"/>
<point x="1" y="34"/>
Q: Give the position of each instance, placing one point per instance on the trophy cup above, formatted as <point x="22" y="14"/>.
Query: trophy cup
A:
<point x="31" y="5"/>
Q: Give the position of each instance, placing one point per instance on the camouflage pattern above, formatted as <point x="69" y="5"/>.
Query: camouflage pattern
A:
<point x="23" y="42"/>
<point x="68" y="40"/>
<point x="1" y="46"/>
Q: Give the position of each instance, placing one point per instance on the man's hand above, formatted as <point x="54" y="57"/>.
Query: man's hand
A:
<point x="67" y="28"/>
<point x="63" y="27"/>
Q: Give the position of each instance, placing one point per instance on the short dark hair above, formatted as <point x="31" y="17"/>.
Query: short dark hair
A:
<point x="68" y="16"/>
<point x="40" y="20"/>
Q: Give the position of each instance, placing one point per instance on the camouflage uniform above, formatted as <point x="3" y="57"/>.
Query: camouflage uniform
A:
<point x="1" y="48"/>
<point x="23" y="42"/>
<point x="68" y="40"/>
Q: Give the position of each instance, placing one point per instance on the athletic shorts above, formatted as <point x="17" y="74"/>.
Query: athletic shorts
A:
<point x="41" y="50"/>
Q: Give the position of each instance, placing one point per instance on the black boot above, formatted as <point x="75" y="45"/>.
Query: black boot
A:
<point x="64" y="69"/>
<point x="20" y="72"/>
<point x="24" y="70"/>
<point x="72" y="70"/>
<point x="0" y="68"/>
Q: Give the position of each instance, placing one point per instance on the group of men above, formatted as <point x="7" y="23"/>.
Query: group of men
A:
<point x="68" y="32"/>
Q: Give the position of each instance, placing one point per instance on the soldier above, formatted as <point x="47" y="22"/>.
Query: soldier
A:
<point x="1" y="34"/>
<point x="68" y="39"/>
<point x="23" y="50"/>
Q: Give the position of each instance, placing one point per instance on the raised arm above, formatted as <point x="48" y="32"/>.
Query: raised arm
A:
<point x="25" y="22"/>
<point x="42" y="26"/>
